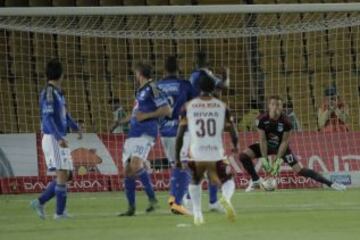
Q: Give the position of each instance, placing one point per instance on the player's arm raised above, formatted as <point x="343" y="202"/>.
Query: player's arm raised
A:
<point x="220" y="83"/>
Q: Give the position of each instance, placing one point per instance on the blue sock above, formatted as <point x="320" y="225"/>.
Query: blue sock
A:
<point x="60" y="192"/>
<point x="48" y="194"/>
<point x="130" y="186"/>
<point x="183" y="183"/>
<point x="174" y="180"/>
<point x="144" y="177"/>
<point x="213" y="189"/>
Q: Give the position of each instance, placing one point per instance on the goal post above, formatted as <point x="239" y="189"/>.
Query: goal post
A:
<point x="306" y="53"/>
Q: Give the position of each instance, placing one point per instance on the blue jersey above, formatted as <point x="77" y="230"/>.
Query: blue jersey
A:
<point x="178" y="92"/>
<point x="195" y="77"/>
<point x="55" y="120"/>
<point x="148" y="99"/>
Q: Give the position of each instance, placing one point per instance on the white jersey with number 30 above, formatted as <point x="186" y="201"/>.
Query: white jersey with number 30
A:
<point x="206" y="120"/>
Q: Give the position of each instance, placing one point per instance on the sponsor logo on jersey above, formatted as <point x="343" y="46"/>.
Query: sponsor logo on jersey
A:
<point x="169" y="87"/>
<point x="280" y="127"/>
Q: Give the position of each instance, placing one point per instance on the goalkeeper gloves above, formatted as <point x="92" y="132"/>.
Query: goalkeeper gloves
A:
<point x="276" y="166"/>
<point x="265" y="164"/>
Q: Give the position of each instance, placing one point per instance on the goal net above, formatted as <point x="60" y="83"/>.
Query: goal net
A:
<point x="310" y="58"/>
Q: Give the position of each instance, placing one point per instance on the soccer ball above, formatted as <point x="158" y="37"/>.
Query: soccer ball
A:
<point x="269" y="184"/>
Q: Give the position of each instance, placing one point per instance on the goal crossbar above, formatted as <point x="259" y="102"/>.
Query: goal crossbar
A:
<point x="179" y="10"/>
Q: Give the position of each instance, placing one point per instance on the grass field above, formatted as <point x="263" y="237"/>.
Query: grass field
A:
<point x="295" y="214"/>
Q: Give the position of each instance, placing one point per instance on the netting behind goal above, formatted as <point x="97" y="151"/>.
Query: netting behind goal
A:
<point x="299" y="56"/>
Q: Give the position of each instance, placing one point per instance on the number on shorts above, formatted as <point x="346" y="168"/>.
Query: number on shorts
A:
<point x="139" y="149"/>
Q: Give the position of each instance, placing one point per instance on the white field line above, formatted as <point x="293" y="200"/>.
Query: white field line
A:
<point x="160" y="195"/>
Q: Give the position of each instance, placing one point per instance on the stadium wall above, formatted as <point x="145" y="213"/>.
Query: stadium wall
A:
<point x="98" y="167"/>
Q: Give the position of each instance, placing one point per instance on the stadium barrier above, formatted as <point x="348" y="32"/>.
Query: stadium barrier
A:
<point x="98" y="167"/>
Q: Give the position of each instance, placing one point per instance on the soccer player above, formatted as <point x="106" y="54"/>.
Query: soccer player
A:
<point x="202" y="69"/>
<point x="178" y="92"/>
<point x="55" y="120"/>
<point x="150" y="105"/>
<point x="274" y="130"/>
<point x="206" y="117"/>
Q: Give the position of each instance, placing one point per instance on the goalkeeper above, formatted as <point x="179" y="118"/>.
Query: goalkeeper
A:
<point x="274" y="133"/>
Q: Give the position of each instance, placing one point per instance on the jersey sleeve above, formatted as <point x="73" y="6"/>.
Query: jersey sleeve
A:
<point x="260" y="123"/>
<point x="287" y="124"/>
<point x="71" y="122"/>
<point x="159" y="97"/>
<point x="48" y="110"/>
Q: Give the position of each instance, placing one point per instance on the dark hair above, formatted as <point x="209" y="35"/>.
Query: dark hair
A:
<point x="206" y="83"/>
<point x="114" y="101"/>
<point x="201" y="59"/>
<point x="288" y="104"/>
<point x="275" y="97"/>
<point x="144" y="69"/>
<point x="330" y="91"/>
<point x="171" y="64"/>
<point x="54" y="69"/>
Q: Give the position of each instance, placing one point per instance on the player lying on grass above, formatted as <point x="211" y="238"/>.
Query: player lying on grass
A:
<point x="178" y="92"/>
<point x="55" y="120"/>
<point x="205" y="118"/>
<point x="202" y="69"/>
<point x="150" y="105"/>
<point x="274" y="130"/>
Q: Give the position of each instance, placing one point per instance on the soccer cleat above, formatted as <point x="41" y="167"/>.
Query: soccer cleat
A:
<point x="130" y="212"/>
<point x="153" y="204"/>
<point x="338" y="186"/>
<point x="253" y="185"/>
<point x="198" y="219"/>
<point x="216" y="207"/>
<point x="38" y="208"/>
<point x="229" y="209"/>
<point x="179" y="209"/>
<point x="171" y="200"/>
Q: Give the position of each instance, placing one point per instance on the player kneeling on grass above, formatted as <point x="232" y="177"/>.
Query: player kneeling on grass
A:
<point x="150" y="105"/>
<point x="205" y="117"/>
<point x="55" y="120"/>
<point x="274" y="130"/>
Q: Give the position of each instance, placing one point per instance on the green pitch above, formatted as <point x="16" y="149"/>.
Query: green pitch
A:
<point x="290" y="215"/>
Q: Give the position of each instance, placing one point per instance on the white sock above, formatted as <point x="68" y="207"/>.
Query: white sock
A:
<point x="195" y="195"/>
<point x="228" y="189"/>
